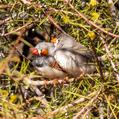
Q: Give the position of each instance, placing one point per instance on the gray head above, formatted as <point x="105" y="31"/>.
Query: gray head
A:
<point x="43" y="49"/>
<point x="64" y="41"/>
<point x="43" y="54"/>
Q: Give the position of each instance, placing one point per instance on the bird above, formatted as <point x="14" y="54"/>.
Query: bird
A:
<point x="45" y="62"/>
<point x="32" y="36"/>
<point x="67" y="41"/>
<point x="70" y="58"/>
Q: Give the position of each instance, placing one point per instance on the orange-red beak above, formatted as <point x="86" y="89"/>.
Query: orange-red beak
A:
<point x="53" y="39"/>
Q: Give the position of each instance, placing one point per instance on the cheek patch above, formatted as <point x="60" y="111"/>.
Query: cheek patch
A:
<point x="35" y="51"/>
<point x="44" y="52"/>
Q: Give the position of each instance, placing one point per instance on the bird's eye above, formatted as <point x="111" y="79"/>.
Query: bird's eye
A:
<point x="33" y="30"/>
<point x="58" y="40"/>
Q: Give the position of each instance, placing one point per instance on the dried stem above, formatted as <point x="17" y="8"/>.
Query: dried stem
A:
<point x="91" y="102"/>
<point x="65" y="108"/>
<point x="98" y="61"/>
<point x="110" y="57"/>
<point x="23" y="28"/>
<point x="55" y="24"/>
<point x="51" y="82"/>
<point x="101" y="111"/>
<point x="90" y="22"/>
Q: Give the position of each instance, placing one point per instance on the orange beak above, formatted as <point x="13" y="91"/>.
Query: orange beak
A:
<point x="53" y="39"/>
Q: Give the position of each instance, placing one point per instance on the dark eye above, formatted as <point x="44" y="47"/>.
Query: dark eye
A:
<point x="58" y="40"/>
<point x="33" y="30"/>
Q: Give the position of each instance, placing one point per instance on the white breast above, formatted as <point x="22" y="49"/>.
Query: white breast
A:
<point x="50" y="72"/>
<point x="73" y="63"/>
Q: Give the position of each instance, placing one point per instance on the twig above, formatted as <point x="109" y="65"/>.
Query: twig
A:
<point x="86" y="114"/>
<point x="45" y="82"/>
<point x="104" y="57"/>
<point x="9" y="57"/>
<point x="90" y="22"/>
<point x="40" y="97"/>
<point x="5" y="65"/>
<point x="19" y="29"/>
<point x="113" y="114"/>
<point x="5" y="20"/>
<point x="11" y="53"/>
<point x="9" y="18"/>
<point x="23" y="92"/>
<point x="110" y="57"/>
<point x="37" y="117"/>
<point x="3" y="6"/>
<point x="55" y="24"/>
<point x="91" y="102"/>
<point x="108" y="112"/>
<point x="65" y="108"/>
<point x="112" y="8"/>
<point x="97" y="60"/>
<point x="28" y="2"/>
<point x="101" y="111"/>
<point x="74" y="103"/>
<point x="47" y="14"/>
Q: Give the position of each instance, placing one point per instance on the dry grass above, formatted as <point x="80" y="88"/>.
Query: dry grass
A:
<point x="93" y="96"/>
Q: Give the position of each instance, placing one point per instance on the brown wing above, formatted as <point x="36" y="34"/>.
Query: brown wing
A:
<point x="55" y="65"/>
